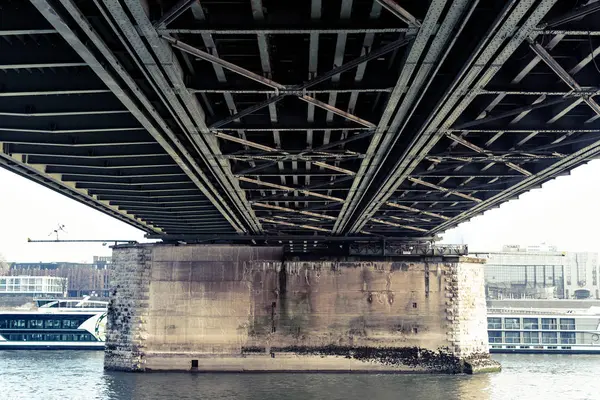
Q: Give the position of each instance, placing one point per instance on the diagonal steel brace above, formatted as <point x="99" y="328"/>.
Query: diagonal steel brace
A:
<point x="297" y="90"/>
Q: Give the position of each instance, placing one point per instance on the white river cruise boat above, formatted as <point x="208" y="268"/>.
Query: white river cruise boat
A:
<point x="514" y="330"/>
<point x="68" y="324"/>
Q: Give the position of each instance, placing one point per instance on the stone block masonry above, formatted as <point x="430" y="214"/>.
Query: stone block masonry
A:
<point x="128" y="310"/>
<point x="241" y="308"/>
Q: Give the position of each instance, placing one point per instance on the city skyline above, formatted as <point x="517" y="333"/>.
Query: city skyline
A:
<point x="561" y="213"/>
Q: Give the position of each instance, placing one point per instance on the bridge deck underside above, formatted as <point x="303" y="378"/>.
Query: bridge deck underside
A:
<point x="307" y="119"/>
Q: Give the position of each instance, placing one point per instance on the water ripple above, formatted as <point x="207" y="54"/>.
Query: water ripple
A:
<point x="50" y="375"/>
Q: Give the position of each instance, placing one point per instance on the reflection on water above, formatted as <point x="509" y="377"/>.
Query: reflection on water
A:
<point x="79" y="375"/>
<point x="296" y="386"/>
<point x="546" y="376"/>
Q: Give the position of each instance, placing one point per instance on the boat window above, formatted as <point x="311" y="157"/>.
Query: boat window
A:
<point x="530" y="323"/>
<point x="3" y="323"/>
<point x="494" y="323"/>
<point x="53" y="324"/>
<point x="531" y="337"/>
<point x="567" y="324"/>
<point x="495" y="337"/>
<point x="67" y="304"/>
<point x="512" y="323"/>
<point x="35" y="324"/>
<point x="36" y="337"/>
<point x="70" y="324"/>
<point x="549" y="323"/>
<point x="16" y="323"/>
<point x="51" y="337"/>
<point x="512" y="337"/>
<point x="567" y="337"/>
<point x="549" y="338"/>
<point x="86" y="337"/>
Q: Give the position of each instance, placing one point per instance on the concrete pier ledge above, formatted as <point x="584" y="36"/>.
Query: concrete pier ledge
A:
<point x="240" y="308"/>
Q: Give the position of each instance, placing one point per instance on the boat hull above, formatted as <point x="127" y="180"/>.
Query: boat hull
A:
<point x="545" y="351"/>
<point x="7" y="345"/>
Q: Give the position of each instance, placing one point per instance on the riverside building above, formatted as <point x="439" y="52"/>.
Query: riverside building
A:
<point x="540" y="272"/>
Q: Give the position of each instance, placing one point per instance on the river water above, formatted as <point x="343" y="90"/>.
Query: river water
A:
<point x="50" y="375"/>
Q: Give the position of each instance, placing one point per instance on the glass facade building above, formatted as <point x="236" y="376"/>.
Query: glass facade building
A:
<point x="83" y="279"/>
<point x="540" y="272"/>
<point x="43" y="286"/>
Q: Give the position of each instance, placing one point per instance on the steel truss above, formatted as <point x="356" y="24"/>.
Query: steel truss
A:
<point x="273" y="119"/>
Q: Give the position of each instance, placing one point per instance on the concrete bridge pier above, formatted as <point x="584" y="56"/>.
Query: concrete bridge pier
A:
<point x="242" y="308"/>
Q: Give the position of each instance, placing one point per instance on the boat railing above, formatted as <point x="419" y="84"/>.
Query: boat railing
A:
<point x="546" y="340"/>
<point x="521" y="311"/>
<point x="567" y="327"/>
<point x="568" y="341"/>
<point x="75" y="304"/>
<point x="549" y="327"/>
<point x="531" y="326"/>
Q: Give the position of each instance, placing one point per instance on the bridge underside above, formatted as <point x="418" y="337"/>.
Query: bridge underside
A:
<point x="306" y="122"/>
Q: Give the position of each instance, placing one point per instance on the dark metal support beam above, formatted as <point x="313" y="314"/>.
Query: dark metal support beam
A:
<point x="286" y="238"/>
<point x="576" y="14"/>
<point x="493" y="51"/>
<point x="184" y="106"/>
<point x="401" y="105"/>
<point x="178" y="9"/>
<point x="264" y="80"/>
<point x="327" y="146"/>
<point x="562" y="74"/>
<point x="234" y="90"/>
<point x="299" y="89"/>
<point x="516" y="111"/>
<point x="480" y="150"/>
<point x="303" y="190"/>
<point x="332" y="30"/>
<point x="121" y="127"/>
<point x="85" y="53"/>
<point x="400" y="12"/>
<point x="23" y="32"/>
<point x="32" y="174"/>
<point x="7" y="67"/>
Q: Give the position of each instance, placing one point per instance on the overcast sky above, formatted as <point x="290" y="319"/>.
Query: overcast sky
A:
<point x="564" y="212"/>
<point x="29" y="210"/>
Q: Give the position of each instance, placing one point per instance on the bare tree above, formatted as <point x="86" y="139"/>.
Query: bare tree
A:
<point x="4" y="267"/>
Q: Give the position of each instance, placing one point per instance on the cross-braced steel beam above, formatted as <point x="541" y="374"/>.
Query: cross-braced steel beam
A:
<point x="413" y="116"/>
<point x="430" y="134"/>
<point x="297" y="90"/>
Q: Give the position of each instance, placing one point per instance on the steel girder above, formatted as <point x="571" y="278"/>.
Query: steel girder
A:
<point x="353" y="119"/>
<point x="394" y="182"/>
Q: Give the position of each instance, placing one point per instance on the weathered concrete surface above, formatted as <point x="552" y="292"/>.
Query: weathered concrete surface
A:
<point x="244" y="309"/>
